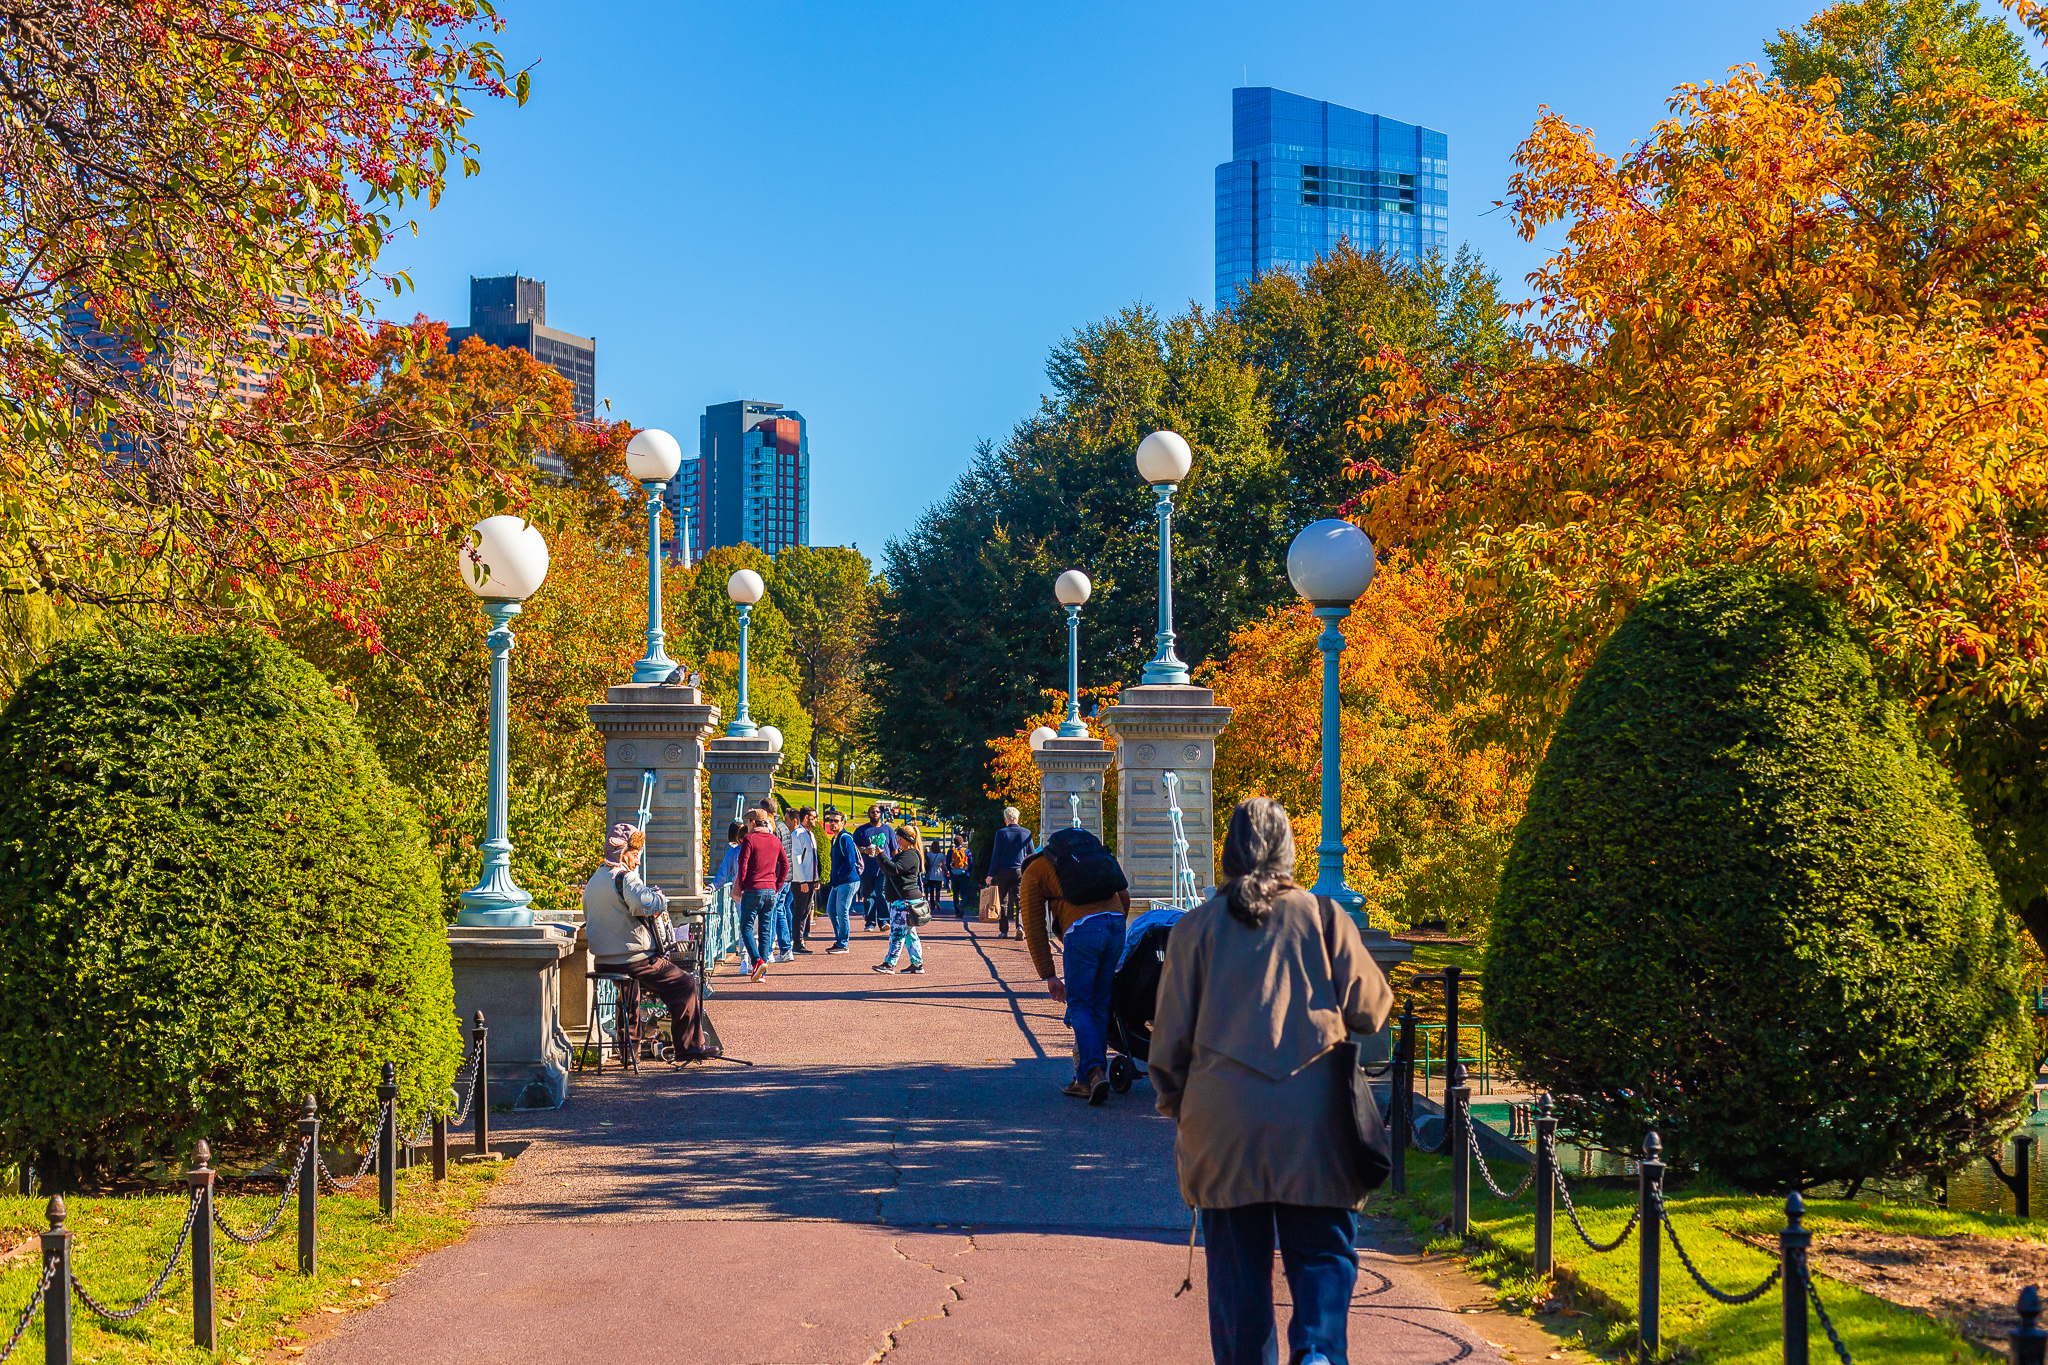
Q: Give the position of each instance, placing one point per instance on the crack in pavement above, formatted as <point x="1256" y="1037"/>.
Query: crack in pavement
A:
<point x="895" y="1143"/>
<point x="889" y="1342"/>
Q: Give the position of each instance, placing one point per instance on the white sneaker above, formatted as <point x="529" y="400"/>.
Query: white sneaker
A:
<point x="786" y="956"/>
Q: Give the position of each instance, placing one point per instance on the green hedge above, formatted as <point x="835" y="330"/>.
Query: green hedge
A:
<point x="1745" y="906"/>
<point x="212" y="902"/>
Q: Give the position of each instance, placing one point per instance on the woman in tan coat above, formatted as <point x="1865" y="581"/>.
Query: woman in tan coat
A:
<point x="1260" y="982"/>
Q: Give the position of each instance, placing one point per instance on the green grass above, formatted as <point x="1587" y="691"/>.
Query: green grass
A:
<point x="1693" y="1326"/>
<point x="119" y="1244"/>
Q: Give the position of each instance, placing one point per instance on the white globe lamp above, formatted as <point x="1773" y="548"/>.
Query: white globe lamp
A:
<point x="745" y="587"/>
<point x="1331" y="563"/>
<point x="772" y="735"/>
<point x="1072" y="588"/>
<point x="653" y="456"/>
<point x="1039" y="736"/>
<point x="1164" y="457"/>
<point x="504" y="559"/>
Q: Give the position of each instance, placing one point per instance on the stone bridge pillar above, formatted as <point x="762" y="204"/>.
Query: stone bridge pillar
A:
<point x="1160" y="729"/>
<point x="1070" y="767"/>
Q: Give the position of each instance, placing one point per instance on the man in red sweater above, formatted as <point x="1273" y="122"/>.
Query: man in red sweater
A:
<point x="762" y="869"/>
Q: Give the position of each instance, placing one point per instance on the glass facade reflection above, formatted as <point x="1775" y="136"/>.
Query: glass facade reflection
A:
<point x="1306" y="174"/>
<point x="751" y="481"/>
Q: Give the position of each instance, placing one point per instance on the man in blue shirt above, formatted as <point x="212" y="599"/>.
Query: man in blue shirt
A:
<point x="844" y="879"/>
<point x="1006" y="865"/>
<point x="877" y="844"/>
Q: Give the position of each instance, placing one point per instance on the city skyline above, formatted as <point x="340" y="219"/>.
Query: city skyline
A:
<point x="973" y="188"/>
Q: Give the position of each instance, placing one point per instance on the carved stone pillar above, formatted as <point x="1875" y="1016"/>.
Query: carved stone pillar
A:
<point x="1162" y="729"/>
<point x="1070" y="767"/>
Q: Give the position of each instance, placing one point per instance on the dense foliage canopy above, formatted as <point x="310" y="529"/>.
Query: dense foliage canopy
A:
<point x="1745" y="906"/>
<point x="213" y="901"/>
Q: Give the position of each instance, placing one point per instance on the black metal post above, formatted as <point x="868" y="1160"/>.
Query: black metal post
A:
<point x="1457" y="1099"/>
<point x="1545" y="1181"/>
<point x="309" y="1188"/>
<point x="1792" y="1244"/>
<point x="200" y="1179"/>
<point x="387" y="1142"/>
<point x="2023" y="1175"/>
<point x="1451" y="975"/>
<point x="1650" y="1242"/>
<point x="57" y="1301"/>
<point x="2029" y="1343"/>
<point x="440" y="1146"/>
<point x="1401" y="1102"/>
<point x="28" y="1180"/>
<point x="480" y="1039"/>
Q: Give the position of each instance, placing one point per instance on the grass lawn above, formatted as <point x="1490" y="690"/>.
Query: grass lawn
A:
<point x="1709" y="1223"/>
<point x="119" y="1244"/>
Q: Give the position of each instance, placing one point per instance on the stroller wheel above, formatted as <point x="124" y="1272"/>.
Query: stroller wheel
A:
<point x="1121" y="1074"/>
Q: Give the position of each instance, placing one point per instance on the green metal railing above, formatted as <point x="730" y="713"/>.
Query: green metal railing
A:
<point x="1429" y="1056"/>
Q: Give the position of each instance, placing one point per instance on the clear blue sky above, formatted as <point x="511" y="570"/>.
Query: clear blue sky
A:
<point x="885" y="214"/>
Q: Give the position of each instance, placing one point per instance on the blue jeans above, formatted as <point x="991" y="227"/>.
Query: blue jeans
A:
<point x="839" y="909"/>
<point x="1321" y="1269"/>
<point x="963" y="895"/>
<point x="782" y="943"/>
<point x="1092" y="947"/>
<point x="757" y="923"/>
<point x="898" y="937"/>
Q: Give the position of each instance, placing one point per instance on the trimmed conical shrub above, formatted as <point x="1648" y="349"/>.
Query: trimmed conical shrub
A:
<point x="212" y="903"/>
<point x="1745" y="906"/>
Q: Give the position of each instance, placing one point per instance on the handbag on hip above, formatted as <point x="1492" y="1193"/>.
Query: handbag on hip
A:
<point x="1372" y="1153"/>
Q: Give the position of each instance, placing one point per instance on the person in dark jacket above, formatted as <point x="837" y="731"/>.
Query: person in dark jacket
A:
<point x="844" y="881"/>
<point x="900" y="876"/>
<point x="1006" y="865"/>
<point x="763" y="871"/>
<point x="962" y="873"/>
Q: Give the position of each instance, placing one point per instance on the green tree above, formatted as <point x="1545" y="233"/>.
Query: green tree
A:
<point x="1745" y="907"/>
<point x="827" y="596"/>
<point x="707" y="622"/>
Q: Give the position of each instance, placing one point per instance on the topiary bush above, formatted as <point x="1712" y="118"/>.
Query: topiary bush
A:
<point x="1745" y="906"/>
<point x="212" y="903"/>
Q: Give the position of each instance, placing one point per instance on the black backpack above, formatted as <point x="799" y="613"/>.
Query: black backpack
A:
<point x="1086" y="872"/>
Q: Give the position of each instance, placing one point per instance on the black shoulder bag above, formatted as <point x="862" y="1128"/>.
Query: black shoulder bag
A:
<point x="1372" y="1154"/>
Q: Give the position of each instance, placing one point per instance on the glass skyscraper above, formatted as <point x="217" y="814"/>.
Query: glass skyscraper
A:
<point x="751" y="480"/>
<point x="1306" y="174"/>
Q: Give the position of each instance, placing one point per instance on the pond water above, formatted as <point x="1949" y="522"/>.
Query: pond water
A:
<point x="1975" y="1188"/>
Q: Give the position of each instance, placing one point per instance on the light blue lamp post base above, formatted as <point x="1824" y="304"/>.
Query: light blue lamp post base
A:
<point x="1330" y="849"/>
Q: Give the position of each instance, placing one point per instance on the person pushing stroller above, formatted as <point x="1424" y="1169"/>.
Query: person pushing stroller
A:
<point x="1074" y="887"/>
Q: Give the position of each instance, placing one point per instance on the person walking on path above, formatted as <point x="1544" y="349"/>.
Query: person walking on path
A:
<point x="722" y="879"/>
<point x="1089" y="920"/>
<point x="618" y="910"/>
<point x="962" y="871"/>
<point x="780" y="829"/>
<point x="1260" y="982"/>
<point x="901" y="875"/>
<point x="803" y="877"/>
<point x="845" y="875"/>
<point x="877" y="846"/>
<point x="762" y="870"/>
<point x="1006" y="865"/>
<point x="934" y="877"/>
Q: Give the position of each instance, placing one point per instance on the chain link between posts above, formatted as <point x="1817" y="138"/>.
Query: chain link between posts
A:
<point x="163" y="1277"/>
<point x="277" y="1214"/>
<point x="1572" y="1212"/>
<point x="1472" y="1145"/>
<point x="1719" y="1296"/>
<point x="1820" y="1311"/>
<point x="369" y="1155"/>
<point x="28" y="1314"/>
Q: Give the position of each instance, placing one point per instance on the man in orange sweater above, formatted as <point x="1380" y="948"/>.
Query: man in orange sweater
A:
<point x="1091" y="931"/>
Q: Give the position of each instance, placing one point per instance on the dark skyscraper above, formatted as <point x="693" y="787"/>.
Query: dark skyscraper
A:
<point x="751" y="480"/>
<point x="1306" y="174"/>
<point x="512" y="311"/>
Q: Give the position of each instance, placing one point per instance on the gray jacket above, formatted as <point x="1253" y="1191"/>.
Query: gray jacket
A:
<point x="616" y="923"/>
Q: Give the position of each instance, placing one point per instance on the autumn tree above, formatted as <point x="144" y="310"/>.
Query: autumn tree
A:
<point x="193" y="193"/>
<point x="1745" y="352"/>
<point x="827" y="596"/>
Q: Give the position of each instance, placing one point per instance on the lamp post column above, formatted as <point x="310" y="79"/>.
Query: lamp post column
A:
<point x="657" y="665"/>
<point x="1073" y="727"/>
<point x="684" y="540"/>
<point x="1165" y="667"/>
<point x="742" y="723"/>
<point x="497" y="899"/>
<point x="1330" y="850"/>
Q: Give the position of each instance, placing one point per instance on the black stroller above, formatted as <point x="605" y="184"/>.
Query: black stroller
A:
<point x="1132" y="993"/>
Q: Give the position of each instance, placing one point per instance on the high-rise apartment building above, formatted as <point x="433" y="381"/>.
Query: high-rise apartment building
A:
<point x="751" y="481"/>
<point x="1306" y="174"/>
<point x="512" y="311"/>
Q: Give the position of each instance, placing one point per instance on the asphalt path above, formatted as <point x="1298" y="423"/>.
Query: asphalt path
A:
<point x="897" y="1178"/>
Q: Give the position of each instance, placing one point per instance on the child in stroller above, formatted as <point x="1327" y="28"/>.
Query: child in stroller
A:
<point x="1134" y="990"/>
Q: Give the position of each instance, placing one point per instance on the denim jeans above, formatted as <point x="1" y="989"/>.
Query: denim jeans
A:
<point x="899" y="936"/>
<point x="1092" y="947"/>
<point x="782" y="943"/>
<point x="757" y="923"/>
<point x="963" y="896"/>
<point x="839" y="909"/>
<point x="1321" y="1269"/>
<point x="878" y="906"/>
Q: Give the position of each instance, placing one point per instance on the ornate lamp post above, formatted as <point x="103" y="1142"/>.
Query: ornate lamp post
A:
<point x="653" y="457"/>
<point x="503" y="562"/>
<point x="1072" y="589"/>
<point x="1163" y="461"/>
<point x="745" y="588"/>
<point x="1331" y="563"/>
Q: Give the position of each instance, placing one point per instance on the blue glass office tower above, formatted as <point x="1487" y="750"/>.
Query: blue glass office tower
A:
<point x="1306" y="174"/>
<point x="751" y="481"/>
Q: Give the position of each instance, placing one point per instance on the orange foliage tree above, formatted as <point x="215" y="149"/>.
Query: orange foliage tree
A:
<point x="1769" y="340"/>
<point x="1013" y="777"/>
<point x="1426" y="814"/>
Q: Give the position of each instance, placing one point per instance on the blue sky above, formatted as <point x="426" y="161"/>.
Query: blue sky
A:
<point x="885" y="214"/>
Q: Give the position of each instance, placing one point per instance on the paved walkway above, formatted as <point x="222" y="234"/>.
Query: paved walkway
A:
<point x="895" y="1179"/>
